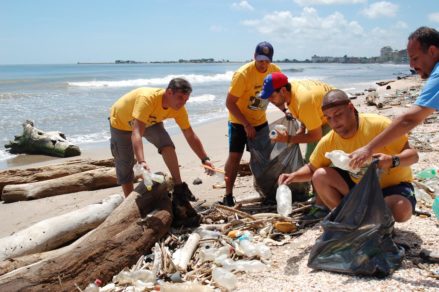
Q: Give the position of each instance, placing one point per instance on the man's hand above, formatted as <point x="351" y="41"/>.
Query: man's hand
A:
<point x="285" y="178"/>
<point x="384" y="160"/>
<point x="209" y="170"/>
<point x="281" y="137"/>
<point x="250" y="131"/>
<point x="144" y="165"/>
<point x="360" y="157"/>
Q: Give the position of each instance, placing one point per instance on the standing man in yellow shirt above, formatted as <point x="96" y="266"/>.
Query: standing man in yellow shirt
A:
<point x="140" y="113"/>
<point x="350" y="131"/>
<point x="246" y="110"/>
<point x="303" y="99"/>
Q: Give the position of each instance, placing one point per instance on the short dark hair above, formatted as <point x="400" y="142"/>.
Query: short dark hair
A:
<point x="426" y="36"/>
<point x="180" y="84"/>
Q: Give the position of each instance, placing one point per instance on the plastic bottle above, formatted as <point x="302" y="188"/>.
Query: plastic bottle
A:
<point x="246" y="245"/>
<point x="93" y="287"/>
<point x="242" y="265"/>
<point x="284" y="200"/>
<point x="436" y="207"/>
<point x="426" y="173"/>
<point x="224" y="278"/>
<point x="209" y="253"/>
<point x="341" y="160"/>
<point x="278" y="129"/>
<point x="422" y="195"/>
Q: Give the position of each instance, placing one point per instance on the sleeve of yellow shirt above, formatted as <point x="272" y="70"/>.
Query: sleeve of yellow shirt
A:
<point x="237" y="86"/>
<point x="318" y="158"/>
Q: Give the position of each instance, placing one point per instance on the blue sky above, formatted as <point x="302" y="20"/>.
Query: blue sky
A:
<point x="57" y="31"/>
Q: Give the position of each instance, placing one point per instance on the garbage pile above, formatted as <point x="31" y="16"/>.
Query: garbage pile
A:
<point x="427" y="192"/>
<point x="229" y="241"/>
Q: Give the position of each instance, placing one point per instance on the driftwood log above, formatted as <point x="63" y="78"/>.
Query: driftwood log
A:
<point x="129" y="232"/>
<point x="21" y="176"/>
<point x="100" y="178"/>
<point x="35" y="141"/>
<point x="54" y="232"/>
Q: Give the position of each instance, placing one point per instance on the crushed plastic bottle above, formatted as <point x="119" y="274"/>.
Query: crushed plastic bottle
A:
<point x="224" y="278"/>
<point x="422" y="195"/>
<point x="246" y="245"/>
<point x="148" y="177"/>
<point x="93" y="287"/>
<point x="209" y="253"/>
<point x="278" y="129"/>
<point x="284" y="200"/>
<point x="426" y="173"/>
<point x="435" y="207"/>
<point x="184" y="287"/>
<point x="341" y="160"/>
<point x="241" y="265"/>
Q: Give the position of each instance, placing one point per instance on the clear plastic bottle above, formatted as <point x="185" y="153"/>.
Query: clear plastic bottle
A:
<point x="209" y="253"/>
<point x="246" y="245"/>
<point x="422" y="195"/>
<point x="242" y="265"/>
<point x="93" y="287"/>
<point x="341" y="160"/>
<point x="278" y="129"/>
<point x="224" y="278"/>
<point x="284" y="200"/>
<point x="426" y="173"/>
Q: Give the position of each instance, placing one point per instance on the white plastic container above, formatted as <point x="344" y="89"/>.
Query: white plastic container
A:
<point x="284" y="200"/>
<point x="278" y="129"/>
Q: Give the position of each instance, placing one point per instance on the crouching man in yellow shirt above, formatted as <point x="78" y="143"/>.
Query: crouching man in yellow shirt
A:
<point x="351" y="130"/>
<point x="140" y="113"/>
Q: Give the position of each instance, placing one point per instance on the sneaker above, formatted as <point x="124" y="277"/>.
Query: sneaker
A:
<point x="182" y="190"/>
<point x="184" y="213"/>
<point x="316" y="213"/>
<point x="228" y="200"/>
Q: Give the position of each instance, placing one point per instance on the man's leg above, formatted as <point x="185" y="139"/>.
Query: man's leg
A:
<point x="330" y="186"/>
<point x="231" y="169"/>
<point x="171" y="160"/>
<point x="401" y="207"/>
<point x="401" y="200"/>
<point x="122" y="151"/>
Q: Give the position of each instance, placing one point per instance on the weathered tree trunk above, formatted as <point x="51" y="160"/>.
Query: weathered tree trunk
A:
<point x="35" y="141"/>
<point x="117" y="243"/>
<point x="57" y="231"/>
<point x="21" y="176"/>
<point x="100" y="178"/>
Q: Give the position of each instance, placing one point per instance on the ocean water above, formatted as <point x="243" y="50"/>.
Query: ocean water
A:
<point x="75" y="99"/>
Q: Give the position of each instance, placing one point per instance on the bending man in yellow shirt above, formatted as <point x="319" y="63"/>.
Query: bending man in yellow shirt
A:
<point x="350" y="131"/>
<point x="303" y="99"/>
<point x="140" y="113"/>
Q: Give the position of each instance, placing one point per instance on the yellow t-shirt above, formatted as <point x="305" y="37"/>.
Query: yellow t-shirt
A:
<point x="306" y="102"/>
<point x="370" y="126"/>
<point x="246" y="84"/>
<point x="145" y="105"/>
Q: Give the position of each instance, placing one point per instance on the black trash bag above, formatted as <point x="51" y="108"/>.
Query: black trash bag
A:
<point x="270" y="160"/>
<point x="357" y="235"/>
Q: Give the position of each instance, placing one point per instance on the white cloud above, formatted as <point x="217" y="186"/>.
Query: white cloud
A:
<point x="327" y="2"/>
<point x="378" y="9"/>
<point x="242" y="5"/>
<point x="434" y="17"/>
<point x="308" y="33"/>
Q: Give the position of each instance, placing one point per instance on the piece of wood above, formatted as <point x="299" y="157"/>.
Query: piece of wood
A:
<point x="182" y="256"/>
<point x="21" y="176"/>
<point x="100" y="178"/>
<point x="54" y="232"/>
<point x="117" y="243"/>
<point x="35" y="141"/>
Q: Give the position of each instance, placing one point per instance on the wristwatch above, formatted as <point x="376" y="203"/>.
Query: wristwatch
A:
<point x="205" y="159"/>
<point x="395" y="161"/>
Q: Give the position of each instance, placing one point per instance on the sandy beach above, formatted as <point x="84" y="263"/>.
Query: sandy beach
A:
<point x="288" y="270"/>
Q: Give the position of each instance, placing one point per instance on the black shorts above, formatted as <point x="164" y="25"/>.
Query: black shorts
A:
<point x="238" y="137"/>
<point x="404" y="189"/>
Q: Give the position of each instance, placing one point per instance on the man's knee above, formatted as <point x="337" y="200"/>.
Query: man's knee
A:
<point x="400" y="207"/>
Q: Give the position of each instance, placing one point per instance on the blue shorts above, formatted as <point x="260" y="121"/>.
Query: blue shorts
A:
<point x="238" y="137"/>
<point x="404" y="189"/>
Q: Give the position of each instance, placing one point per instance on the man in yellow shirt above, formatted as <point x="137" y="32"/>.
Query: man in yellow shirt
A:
<point x="350" y="131"/>
<point x="140" y="113"/>
<point x="246" y="111"/>
<point x="303" y="99"/>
